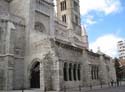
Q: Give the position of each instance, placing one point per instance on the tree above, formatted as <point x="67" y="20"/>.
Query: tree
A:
<point x="118" y="69"/>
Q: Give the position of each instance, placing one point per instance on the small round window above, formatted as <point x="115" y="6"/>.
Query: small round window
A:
<point x="39" y="27"/>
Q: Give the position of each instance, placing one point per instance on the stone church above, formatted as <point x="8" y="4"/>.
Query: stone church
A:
<point x="46" y="50"/>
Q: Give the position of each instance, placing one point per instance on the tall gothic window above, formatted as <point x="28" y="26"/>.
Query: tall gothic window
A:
<point x="74" y="72"/>
<point x="65" y="72"/>
<point x="76" y="6"/>
<point x="70" y="72"/>
<point x="63" y="5"/>
<point x="0" y="39"/>
<point x="79" y="72"/>
<point x="64" y="18"/>
<point x="94" y="72"/>
<point x="97" y="72"/>
<point x="0" y="33"/>
<point x="76" y="19"/>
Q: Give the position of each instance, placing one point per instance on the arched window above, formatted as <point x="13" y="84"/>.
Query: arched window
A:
<point x="1" y="38"/>
<point x="94" y="69"/>
<point x="65" y="72"/>
<point x="74" y="71"/>
<point x="63" y="5"/>
<point x="39" y="27"/>
<point x="1" y="32"/>
<point x="97" y="72"/>
<point x="64" y="18"/>
<point x="92" y="72"/>
<point x="79" y="72"/>
<point x="70" y="72"/>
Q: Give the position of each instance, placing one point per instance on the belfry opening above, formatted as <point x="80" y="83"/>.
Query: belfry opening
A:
<point x="35" y="75"/>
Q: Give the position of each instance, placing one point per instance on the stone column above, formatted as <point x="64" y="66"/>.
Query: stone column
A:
<point x="9" y="50"/>
<point x="10" y="79"/>
<point x="58" y="83"/>
<point x="76" y="73"/>
<point x="72" y="76"/>
<point x="42" y="81"/>
<point x="67" y="73"/>
<point x="6" y="76"/>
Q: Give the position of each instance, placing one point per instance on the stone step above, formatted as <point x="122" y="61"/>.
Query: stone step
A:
<point x="33" y="90"/>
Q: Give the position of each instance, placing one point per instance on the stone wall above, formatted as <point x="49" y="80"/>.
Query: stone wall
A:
<point x="4" y="7"/>
<point x="69" y="55"/>
<point x="3" y="30"/>
<point x="19" y="52"/>
<point x="19" y="74"/>
<point x="12" y="47"/>
<point x="1" y="79"/>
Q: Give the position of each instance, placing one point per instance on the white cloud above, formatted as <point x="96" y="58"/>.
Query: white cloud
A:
<point x="107" y="44"/>
<point x="105" y="6"/>
<point x="99" y="8"/>
<point x="90" y="20"/>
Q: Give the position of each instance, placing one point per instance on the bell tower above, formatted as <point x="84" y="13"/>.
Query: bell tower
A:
<point x="69" y="10"/>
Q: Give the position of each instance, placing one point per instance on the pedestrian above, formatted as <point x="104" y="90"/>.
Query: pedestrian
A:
<point x="117" y="82"/>
<point x="112" y="83"/>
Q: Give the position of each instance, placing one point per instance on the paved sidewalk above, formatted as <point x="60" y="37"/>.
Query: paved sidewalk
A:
<point x="99" y="88"/>
<point x="112" y="89"/>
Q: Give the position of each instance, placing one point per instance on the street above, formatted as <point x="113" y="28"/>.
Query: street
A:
<point x="111" y="89"/>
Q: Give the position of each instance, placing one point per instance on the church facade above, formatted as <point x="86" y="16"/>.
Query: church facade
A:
<point x="39" y="49"/>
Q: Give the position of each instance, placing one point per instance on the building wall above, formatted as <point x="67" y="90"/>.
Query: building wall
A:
<point x="121" y="49"/>
<point x="71" y="56"/>
<point x="12" y="41"/>
<point x="19" y="52"/>
<point x="4" y="6"/>
<point x="2" y="73"/>
<point x="33" y="35"/>
<point x="68" y="54"/>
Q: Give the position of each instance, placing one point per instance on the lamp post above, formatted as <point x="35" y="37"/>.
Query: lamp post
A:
<point x="22" y="86"/>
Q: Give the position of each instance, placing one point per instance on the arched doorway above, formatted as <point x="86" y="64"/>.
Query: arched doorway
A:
<point x="35" y="75"/>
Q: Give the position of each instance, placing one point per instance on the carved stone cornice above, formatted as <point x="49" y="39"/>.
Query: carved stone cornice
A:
<point x="11" y="55"/>
<point x="8" y="0"/>
<point x="68" y="45"/>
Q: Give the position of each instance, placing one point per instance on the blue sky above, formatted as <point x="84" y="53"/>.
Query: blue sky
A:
<point x="113" y="24"/>
<point x="104" y="21"/>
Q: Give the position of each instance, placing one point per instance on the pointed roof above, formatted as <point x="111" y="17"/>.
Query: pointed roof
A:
<point x="83" y="31"/>
<point x="99" y="51"/>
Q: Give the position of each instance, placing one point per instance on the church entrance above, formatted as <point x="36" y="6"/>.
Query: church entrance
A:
<point x="35" y="75"/>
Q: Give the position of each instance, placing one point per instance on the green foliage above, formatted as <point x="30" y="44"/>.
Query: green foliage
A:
<point x="118" y="69"/>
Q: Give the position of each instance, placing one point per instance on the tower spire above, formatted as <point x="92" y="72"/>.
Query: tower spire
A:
<point x="84" y="33"/>
<point x="84" y="37"/>
<point x="71" y="9"/>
